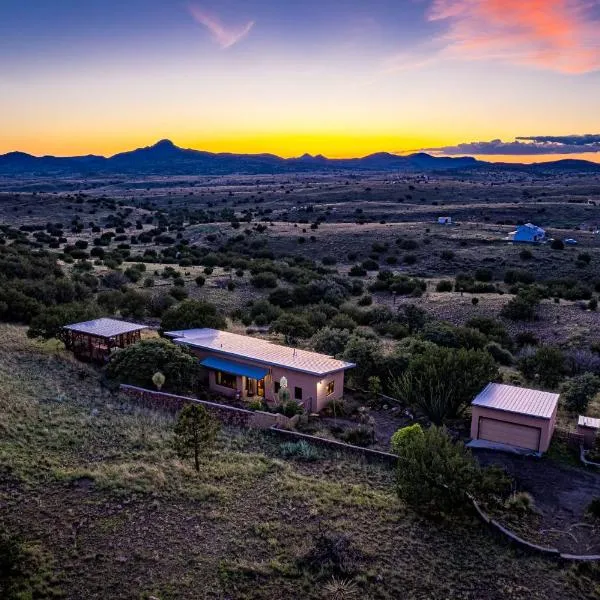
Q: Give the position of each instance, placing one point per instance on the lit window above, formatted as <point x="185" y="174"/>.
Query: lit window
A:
<point x="226" y="380"/>
<point x="298" y="393"/>
<point x="330" y="388"/>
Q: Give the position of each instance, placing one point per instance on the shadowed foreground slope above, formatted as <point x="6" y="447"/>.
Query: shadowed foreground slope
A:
<point x="95" y="488"/>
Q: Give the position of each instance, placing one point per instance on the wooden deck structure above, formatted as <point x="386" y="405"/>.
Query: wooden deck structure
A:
<point x="94" y="341"/>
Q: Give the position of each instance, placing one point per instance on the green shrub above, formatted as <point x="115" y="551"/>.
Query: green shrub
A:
<point x="192" y="314"/>
<point x="444" y="286"/>
<point x="358" y="436"/>
<point x="442" y="381"/>
<point x="292" y="326"/>
<point x="265" y="279"/>
<point x="500" y="354"/>
<point x="301" y="450"/>
<point x="405" y="436"/>
<point x="434" y="473"/>
<point x="520" y="503"/>
<point x="290" y="408"/>
<point x="137" y="364"/>
<point x="546" y="364"/>
<point x="523" y="307"/>
<point x="579" y="390"/>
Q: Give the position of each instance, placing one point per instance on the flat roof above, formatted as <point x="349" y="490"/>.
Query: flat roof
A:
<point x="263" y="351"/>
<point x="104" y="327"/>
<point x="522" y="401"/>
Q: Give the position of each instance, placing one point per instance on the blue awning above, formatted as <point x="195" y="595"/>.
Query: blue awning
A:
<point x="228" y="366"/>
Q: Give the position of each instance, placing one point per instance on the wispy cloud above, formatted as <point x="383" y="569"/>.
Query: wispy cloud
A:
<point x="527" y="145"/>
<point x="224" y="35"/>
<point x="559" y="35"/>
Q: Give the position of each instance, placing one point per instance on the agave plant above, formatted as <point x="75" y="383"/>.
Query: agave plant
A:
<point x="340" y="589"/>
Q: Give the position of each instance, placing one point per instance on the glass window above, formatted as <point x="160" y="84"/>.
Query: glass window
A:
<point x="226" y="380"/>
<point x="298" y="393"/>
<point x="276" y="387"/>
<point x="330" y="388"/>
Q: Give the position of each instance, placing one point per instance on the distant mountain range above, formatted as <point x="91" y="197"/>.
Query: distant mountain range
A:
<point x="165" y="158"/>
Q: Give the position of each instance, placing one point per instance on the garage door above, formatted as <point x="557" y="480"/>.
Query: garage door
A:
<point x="512" y="434"/>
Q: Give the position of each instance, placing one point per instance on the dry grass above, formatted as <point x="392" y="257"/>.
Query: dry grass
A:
<point x="95" y="484"/>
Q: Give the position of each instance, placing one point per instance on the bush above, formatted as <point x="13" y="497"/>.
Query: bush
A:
<point x="178" y="293"/>
<point x="520" y="503"/>
<point x="292" y="326"/>
<point x="406" y="436"/>
<point x="442" y="381"/>
<point x="50" y="321"/>
<point x="523" y="307"/>
<point x="594" y="508"/>
<point x="266" y="279"/>
<point x="499" y="354"/>
<point x="444" y="286"/>
<point x="192" y="314"/>
<point x="366" y="300"/>
<point x="330" y="341"/>
<point x="200" y="280"/>
<point x="579" y="390"/>
<point x="332" y="554"/>
<point x="136" y="365"/>
<point x="557" y="245"/>
<point x="546" y="365"/>
<point x="358" y="436"/>
<point x="434" y="473"/>
<point x="366" y="354"/>
<point x="299" y="450"/>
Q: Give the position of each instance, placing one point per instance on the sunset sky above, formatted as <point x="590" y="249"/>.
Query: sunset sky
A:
<point x="336" y="77"/>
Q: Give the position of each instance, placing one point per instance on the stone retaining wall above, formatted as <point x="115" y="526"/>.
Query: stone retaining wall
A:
<point x="229" y="415"/>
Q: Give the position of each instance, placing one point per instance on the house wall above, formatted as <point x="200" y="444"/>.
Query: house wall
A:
<point x="313" y="391"/>
<point x="545" y="425"/>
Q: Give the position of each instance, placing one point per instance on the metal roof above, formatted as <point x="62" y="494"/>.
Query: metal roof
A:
<point x="588" y="422"/>
<point x="517" y="400"/>
<point x="228" y="366"/>
<point x="104" y="327"/>
<point x="243" y="346"/>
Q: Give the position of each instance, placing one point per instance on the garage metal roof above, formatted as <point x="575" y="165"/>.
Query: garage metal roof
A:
<point x="104" y="327"/>
<point x="517" y="400"/>
<point x="262" y="351"/>
<point x="228" y="366"/>
<point x="588" y="422"/>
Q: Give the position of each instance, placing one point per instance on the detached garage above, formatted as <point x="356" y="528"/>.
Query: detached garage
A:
<point x="517" y="417"/>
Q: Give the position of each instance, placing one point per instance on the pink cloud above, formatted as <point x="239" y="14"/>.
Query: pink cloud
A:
<point x="560" y="35"/>
<point x="225" y="35"/>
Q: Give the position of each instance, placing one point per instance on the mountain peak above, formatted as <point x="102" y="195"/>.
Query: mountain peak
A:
<point x="164" y="145"/>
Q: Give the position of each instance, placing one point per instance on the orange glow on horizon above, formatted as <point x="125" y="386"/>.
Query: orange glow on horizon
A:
<point x="286" y="145"/>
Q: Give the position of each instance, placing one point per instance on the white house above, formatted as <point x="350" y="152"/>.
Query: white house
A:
<point x="528" y="234"/>
<point x="445" y="220"/>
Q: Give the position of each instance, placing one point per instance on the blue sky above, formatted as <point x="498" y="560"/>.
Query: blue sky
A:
<point x="339" y="77"/>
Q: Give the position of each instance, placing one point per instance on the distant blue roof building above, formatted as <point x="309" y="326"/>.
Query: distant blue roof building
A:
<point x="528" y="234"/>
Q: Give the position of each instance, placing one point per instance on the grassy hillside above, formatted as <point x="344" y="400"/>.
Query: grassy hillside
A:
<point x="105" y="509"/>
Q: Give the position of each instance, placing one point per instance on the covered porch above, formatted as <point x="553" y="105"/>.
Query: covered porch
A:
<point x="239" y="380"/>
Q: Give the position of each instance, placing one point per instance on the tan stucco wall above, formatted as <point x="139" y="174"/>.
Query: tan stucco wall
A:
<point x="313" y="386"/>
<point x="546" y="425"/>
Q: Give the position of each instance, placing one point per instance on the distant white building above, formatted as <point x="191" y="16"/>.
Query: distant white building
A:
<point x="445" y="220"/>
<point x="528" y="234"/>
